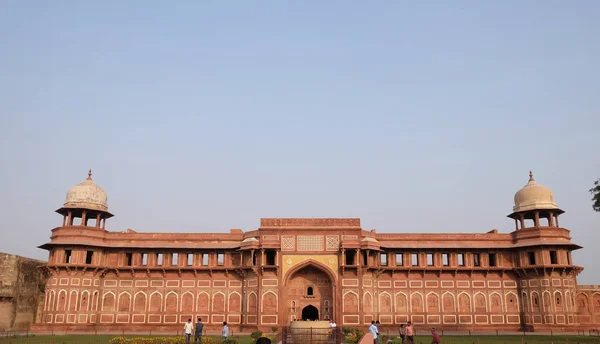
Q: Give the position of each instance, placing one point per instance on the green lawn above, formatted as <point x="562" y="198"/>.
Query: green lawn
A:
<point x="99" y="339"/>
<point x="530" y="339"/>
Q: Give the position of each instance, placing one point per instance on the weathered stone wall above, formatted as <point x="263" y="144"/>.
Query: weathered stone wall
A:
<point x="20" y="282"/>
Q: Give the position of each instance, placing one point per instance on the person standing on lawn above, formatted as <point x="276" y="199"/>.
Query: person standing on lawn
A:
<point x="225" y="332"/>
<point x="402" y="334"/>
<point x="410" y="333"/>
<point x="373" y="331"/>
<point x="188" y="330"/>
<point x="198" y="335"/>
<point x="435" y="337"/>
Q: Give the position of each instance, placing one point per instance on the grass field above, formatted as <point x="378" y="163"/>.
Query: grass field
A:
<point x="530" y="339"/>
<point x="99" y="339"/>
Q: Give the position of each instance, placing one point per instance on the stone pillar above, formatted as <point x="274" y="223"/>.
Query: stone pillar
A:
<point x="98" y="218"/>
<point x="550" y="219"/>
<point x="84" y="218"/>
<point x="557" y="221"/>
<point x="104" y="223"/>
<point x="343" y="257"/>
<point x="522" y="218"/>
<point x="357" y="256"/>
<point x="64" y="220"/>
<point x="536" y="218"/>
<point x="70" y="219"/>
<point x="516" y="225"/>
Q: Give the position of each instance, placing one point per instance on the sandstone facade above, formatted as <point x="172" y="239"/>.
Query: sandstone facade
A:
<point x="21" y="292"/>
<point x="290" y="269"/>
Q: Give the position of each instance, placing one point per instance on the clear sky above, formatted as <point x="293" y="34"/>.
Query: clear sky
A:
<point x="201" y="116"/>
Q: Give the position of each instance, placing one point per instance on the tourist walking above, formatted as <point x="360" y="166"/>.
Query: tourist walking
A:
<point x="187" y="328"/>
<point x="198" y="334"/>
<point x="373" y="330"/>
<point x="435" y="337"/>
<point x="410" y="333"/>
<point x="225" y="332"/>
<point x="402" y="334"/>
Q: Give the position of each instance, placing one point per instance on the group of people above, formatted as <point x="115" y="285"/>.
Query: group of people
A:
<point x="407" y="333"/>
<point x="189" y="327"/>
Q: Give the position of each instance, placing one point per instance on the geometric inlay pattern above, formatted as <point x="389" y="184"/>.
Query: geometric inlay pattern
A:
<point x="310" y="243"/>
<point x="287" y="243"/>
<point x="333" y="243"/>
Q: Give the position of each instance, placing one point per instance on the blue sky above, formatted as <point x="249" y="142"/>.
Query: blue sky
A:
<point x="205" y="116"/>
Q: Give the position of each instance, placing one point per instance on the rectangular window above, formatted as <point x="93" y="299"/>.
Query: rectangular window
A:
<point x="429" y="259"/>
<point x="415" y="259"/>
<point x="476" y="259"/>
<point x="553" y="259"/>
<point x="68" y="256"/>
<point x="129" y="258"/>
<point x="190" y="259"/>
<point x="384" y="259"/>
<point x="220" y="259"/>
<point x="350" y="257"/>
<point x="461" y="259"/>
<point x="144" y="259"/>
<point x="205" y="259"/>
<point x="531" y="256"/>
<point x="446" y="259"/>
<point x="159" y="259"/>
<point x="399" y="259"/>
<point x="175" y="259"/>
<point x="365" y="259"/>
<point x="493" y="260"/>
<point x="270" y="255"/>
<point x="88" y="257"/>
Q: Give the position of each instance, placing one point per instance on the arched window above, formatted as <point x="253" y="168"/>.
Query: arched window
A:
<point x="309" y="291"/>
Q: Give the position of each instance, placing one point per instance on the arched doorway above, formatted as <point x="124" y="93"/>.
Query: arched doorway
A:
<point x="310" y="312"/>
<point x="309" y="293"/>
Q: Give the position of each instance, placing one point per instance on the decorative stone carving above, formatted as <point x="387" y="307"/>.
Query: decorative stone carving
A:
<point x="309" y="222"/>
<point x="287" y="243"/>
<point x="310" y="243"/>
<point x="333" y="243"/>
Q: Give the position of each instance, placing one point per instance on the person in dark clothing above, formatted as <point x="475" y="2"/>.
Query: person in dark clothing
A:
<point x="198" y="333"/>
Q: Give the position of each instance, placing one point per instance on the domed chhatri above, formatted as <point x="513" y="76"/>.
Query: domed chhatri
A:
<point x="535" y="202"/>
<point x="87" y="195"/>
<point x="534" y="196"/>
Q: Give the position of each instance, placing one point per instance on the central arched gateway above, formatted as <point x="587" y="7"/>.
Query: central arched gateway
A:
<point x="310" y="312"/>
<point x="309" y="293"/>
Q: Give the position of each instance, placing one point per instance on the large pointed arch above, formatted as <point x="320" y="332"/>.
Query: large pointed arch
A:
<point x="310" y="262"/>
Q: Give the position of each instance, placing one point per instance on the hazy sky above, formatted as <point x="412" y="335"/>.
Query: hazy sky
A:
<point x="201" y="116"/>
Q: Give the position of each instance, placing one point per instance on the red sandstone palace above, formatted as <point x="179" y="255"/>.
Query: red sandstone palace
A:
<point x="315" y="268"/>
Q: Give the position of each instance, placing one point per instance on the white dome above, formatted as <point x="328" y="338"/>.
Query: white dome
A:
<point x="534" y="196"/>
<point x="87" y="195"/>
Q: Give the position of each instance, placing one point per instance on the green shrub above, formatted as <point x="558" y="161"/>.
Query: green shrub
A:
<point x="230" y="341"/>
<point x="352" y="334"/>
<point x="274" y="329"/>
<point x="255" y="335"/>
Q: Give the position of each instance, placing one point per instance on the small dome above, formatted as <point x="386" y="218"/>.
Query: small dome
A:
<point x="87" y="195"/>
<point x="250" y="240"/>
<point x="534" y="196"/>
<point x="369" y="239"/>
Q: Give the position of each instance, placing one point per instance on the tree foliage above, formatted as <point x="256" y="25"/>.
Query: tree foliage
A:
<point x="595" y="191"/>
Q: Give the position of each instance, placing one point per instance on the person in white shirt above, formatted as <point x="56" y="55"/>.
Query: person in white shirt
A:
<point x="225" y="332"/>
<point x="188" y="327"/>
<point x="373" y="330"/>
